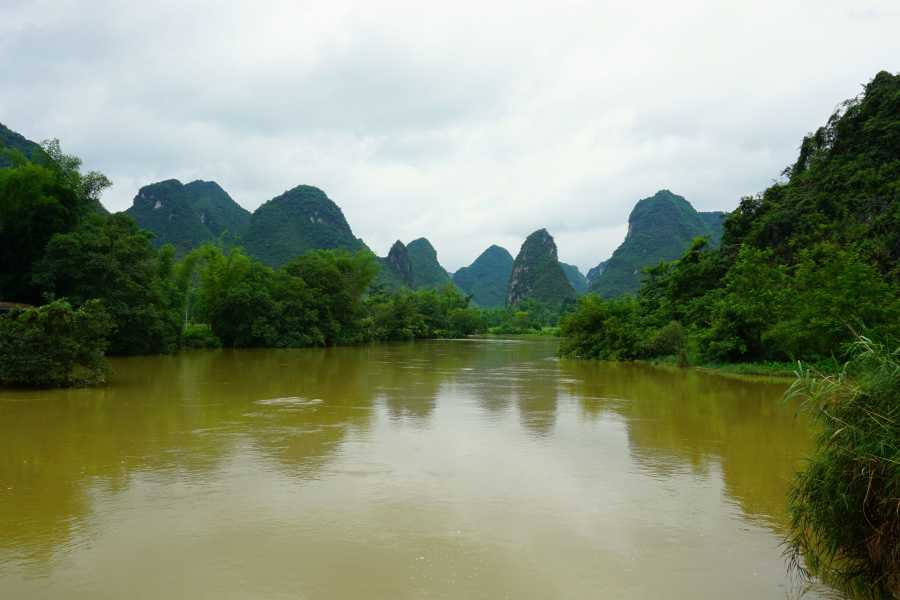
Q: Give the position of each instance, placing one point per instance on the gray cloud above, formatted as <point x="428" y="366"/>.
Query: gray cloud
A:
<point x="470" y="123"/>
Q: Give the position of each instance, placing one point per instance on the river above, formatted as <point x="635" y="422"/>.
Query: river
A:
<point x="436" y="469"/>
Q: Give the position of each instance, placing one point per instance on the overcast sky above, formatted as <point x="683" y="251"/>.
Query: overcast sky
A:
<point x="469" y="123"/>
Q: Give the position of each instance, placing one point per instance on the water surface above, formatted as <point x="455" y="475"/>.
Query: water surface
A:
<point x="440" y="469"/>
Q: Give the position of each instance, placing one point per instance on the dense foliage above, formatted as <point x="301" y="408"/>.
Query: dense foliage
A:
<point x="527" y="317"/>
<point x="55" y="345"/>
<point x="314" y="300"/>
<point x="659" y="228"/>
<point x="487" y="277"/>
<point x="299" y="220"/>
<point x="422" y="314"/>
<point x="795" y="263"/>
<point x="537" y="274"/>
<point x="715" y="221"/>
<point x="37" y="201"/>
<point x="845" y="527"/>
<point x="109" y="259"/>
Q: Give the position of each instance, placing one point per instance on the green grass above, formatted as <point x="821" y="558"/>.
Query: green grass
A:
<point x="845" y="522"/>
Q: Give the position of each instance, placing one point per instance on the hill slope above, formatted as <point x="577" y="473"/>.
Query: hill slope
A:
<point x="576" y="278"/>
<point x="715" y="220"/>
<point x="217" y="210"/>
<point x="537" y="273"/>
<point x="14" y="141"/>
<point x="165" y="208"/>
<point x="396" y="269"/>
<point x="300" y="219"/>
<point x="659" y="227"/>
<point x="594" y="273"/>
<point x="487" y="277"/>
<point x="427" y="271"/>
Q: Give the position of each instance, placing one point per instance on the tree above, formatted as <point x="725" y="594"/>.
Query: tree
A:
<point x="89" y="186"/>
<point x="108" y="258"/>
<point x="55" y="345"/>
<point x="34" y="206"/>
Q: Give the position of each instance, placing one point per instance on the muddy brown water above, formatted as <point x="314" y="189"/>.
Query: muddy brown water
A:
<point x="438" y="469"/>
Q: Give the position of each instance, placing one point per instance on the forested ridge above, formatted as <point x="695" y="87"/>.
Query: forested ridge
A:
<point x="799" y="264"/>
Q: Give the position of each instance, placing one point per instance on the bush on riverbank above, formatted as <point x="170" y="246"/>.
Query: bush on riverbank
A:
<point x="421" y="314"/>
<point x="198" y="336"/>
<point x="55" y="345"/>
<point x="845" y="505"/>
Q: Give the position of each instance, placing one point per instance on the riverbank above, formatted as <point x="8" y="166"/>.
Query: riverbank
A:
<point x="770" y="369"/>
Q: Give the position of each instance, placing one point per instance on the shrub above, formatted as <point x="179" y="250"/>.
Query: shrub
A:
<point x="199" y="336"/>
<point x="845" y="505"/>
<point x="55" y="345"/>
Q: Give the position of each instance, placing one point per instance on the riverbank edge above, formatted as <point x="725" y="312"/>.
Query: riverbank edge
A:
<point x="768" y="369"/>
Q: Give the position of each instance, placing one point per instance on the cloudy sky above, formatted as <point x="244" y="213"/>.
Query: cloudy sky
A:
<point x="469" y="123"/>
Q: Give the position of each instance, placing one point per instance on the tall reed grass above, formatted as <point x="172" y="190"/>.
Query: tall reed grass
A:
<point x="845" y="504"/>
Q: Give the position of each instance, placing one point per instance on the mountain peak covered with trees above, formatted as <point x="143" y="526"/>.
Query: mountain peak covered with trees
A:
<point x="428" y="272"/>
<point x="537" y="274"/>
<point x="659" y="227"/>
<point x="301" y="219"/>
<point x="218" y="211"/>
<point x="165" y="208"/>
<point x="487" y="278"/>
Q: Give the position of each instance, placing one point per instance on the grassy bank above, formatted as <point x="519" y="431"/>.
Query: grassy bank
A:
<point x="769" y="368"/>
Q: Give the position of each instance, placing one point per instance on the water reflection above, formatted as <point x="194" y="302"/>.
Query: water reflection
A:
<point x="687" y="417"/>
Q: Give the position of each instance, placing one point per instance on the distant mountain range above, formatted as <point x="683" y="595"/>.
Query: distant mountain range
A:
<point x="305" y="218"/>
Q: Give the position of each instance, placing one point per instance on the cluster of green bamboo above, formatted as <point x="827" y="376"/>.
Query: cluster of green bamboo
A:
<point x="845" y="505"/>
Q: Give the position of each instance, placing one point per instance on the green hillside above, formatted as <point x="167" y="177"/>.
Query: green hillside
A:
<point x="300" y="219"/>
<point x="217" y="210"/>
<point x="537" y="273"/>
<point x="799" y="265"/>
<point x="715" y="221"/>
<point x="659" y="227"/>
<point x="396" y="269"/>
<point x="427" y="271"/>
<point x="165" y="208"/>
<point x="14" y="141"/>
<point x="576" y="278"/>
<point x="594" y="273"/>
<point x="487" y="277"/>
